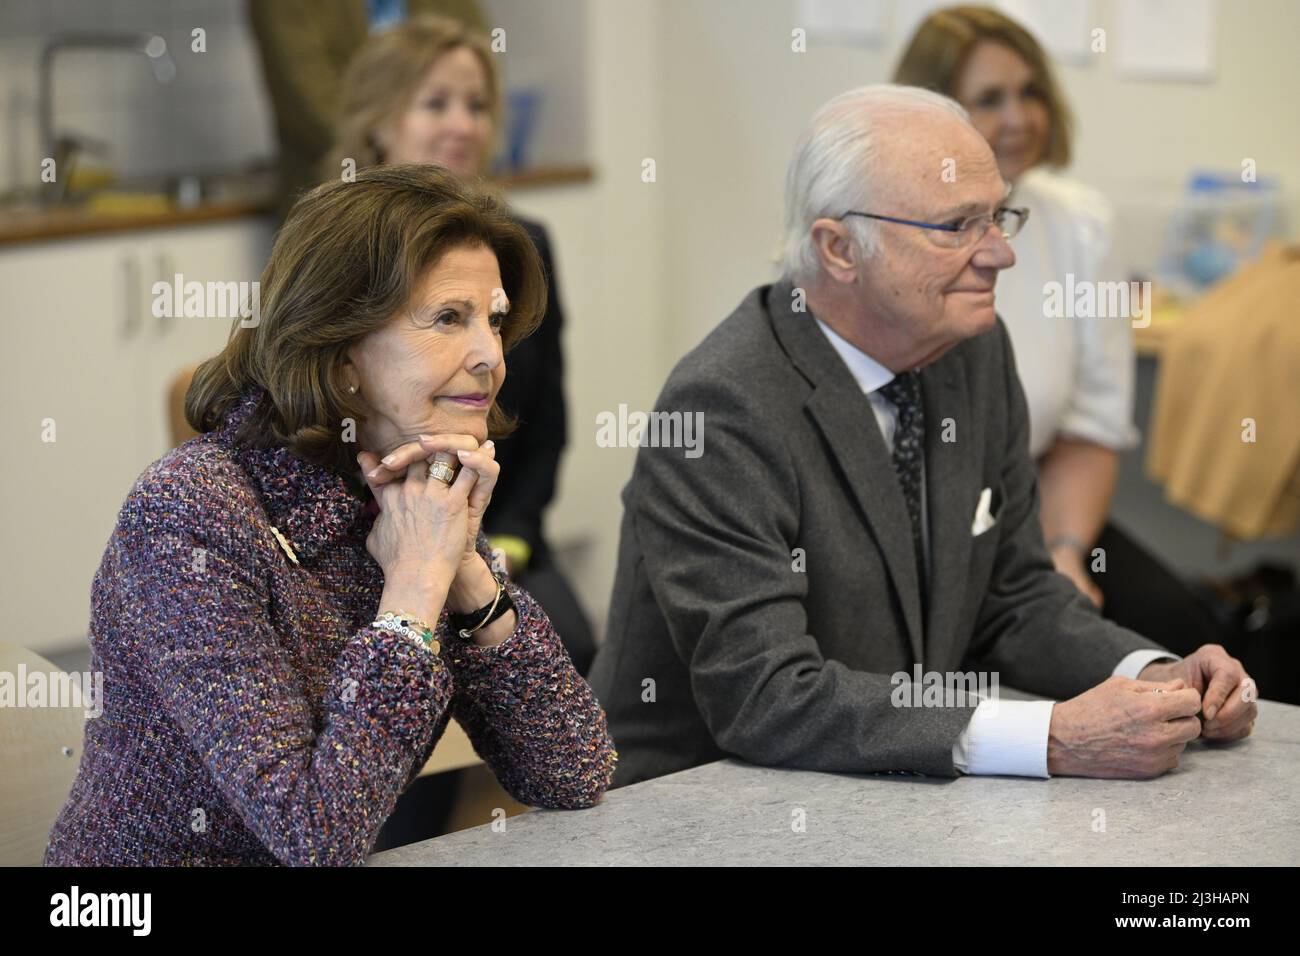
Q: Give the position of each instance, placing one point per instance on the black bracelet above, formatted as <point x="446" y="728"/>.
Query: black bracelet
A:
<point x="466" y="624"/>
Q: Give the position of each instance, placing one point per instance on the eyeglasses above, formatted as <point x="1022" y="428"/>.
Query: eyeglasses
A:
<point x="962" y="232"/>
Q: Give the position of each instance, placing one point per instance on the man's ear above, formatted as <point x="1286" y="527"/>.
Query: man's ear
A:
<point x="836" y="250"/>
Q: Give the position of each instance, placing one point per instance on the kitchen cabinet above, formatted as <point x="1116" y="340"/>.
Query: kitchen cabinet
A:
<point x="84" y="400"/>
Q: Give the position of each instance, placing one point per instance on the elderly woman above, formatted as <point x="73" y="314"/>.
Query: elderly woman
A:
<point x="426" y="91"/>
<point x="1077" y="372"/>
<point x="285" y="621"/>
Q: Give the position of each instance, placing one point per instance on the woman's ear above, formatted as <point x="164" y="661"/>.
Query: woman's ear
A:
<point x="351" y="378"/>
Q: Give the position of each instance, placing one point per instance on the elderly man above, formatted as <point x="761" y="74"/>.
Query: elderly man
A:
<point x="864" y="517"/>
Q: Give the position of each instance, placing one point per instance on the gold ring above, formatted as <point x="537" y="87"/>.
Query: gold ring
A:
<point x="442" y="471"/>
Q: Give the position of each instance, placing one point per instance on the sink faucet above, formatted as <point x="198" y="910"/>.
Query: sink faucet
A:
<point x="63" y="148"/>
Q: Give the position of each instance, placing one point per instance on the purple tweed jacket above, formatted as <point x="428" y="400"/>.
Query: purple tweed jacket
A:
<point x="251" y="714"/>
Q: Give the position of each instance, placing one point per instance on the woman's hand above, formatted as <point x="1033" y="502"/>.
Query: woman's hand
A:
<point x="418" y="538"/>
<point x="480" y="462"/>
<point x="471" y="585"/>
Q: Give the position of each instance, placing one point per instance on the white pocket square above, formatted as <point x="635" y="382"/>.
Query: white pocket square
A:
<point x="983" y="516"/>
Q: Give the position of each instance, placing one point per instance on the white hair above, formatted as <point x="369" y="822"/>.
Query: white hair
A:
<point x="832" y="170"/>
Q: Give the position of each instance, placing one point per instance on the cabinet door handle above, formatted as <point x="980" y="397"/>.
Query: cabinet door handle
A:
<point x="131" y="295"/>
<point x="166" y="274"/>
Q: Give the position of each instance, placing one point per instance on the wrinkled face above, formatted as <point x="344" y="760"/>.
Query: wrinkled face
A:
<point x="437" y="366"/>
<point x="919" y="288"/>
<point x="447" y="122"/>
<point x="1007" y="105"/>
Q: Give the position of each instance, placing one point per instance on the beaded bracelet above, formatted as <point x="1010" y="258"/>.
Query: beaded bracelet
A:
<point x="399" y="622"/>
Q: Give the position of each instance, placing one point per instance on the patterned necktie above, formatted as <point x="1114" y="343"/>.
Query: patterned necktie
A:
<point x="904" y="392"/>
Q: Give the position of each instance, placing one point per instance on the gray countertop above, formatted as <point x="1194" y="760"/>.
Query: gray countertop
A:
<point x="1226" y="805"/>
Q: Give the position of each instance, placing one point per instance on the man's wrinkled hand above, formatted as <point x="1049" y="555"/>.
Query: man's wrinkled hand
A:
<point x="1228" y="693"/>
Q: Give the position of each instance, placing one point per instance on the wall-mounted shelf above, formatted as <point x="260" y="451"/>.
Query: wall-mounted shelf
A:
<point x="542" y="176"/>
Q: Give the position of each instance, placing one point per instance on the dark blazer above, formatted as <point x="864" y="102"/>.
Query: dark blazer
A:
<point x="533" y="392"/>
<point x="753" y="658"/>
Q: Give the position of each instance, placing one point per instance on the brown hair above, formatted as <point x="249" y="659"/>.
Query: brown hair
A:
<point x="384" y="76"/>
<point x="345" y="262"/>
<point x="943" y="43"/>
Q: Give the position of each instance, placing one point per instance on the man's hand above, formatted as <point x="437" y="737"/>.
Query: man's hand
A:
<point x="1124" y="729"/>
<point x="1228" y="693"/>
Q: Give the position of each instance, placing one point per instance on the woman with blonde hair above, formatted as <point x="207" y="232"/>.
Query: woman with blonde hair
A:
<point x="427" y="91"/>
<point x="294" y="604"/>
<point x="1077" y="372"/>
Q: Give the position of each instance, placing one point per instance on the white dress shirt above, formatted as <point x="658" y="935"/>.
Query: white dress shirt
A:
<point x="1011" y="738"/>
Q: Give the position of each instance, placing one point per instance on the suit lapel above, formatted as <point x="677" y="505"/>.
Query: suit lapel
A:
<point x="949" y="468"/>
<point x="844" y="416"/>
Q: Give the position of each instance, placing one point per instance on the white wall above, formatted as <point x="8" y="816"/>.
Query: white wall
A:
<point x="609" y="239"/>
<point x="534" y="32"/>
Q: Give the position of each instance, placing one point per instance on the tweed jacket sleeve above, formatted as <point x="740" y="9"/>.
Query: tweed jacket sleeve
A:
<point x="202" y="639"/>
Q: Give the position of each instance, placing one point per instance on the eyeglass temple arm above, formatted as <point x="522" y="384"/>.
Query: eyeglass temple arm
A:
<point x="905" y="222"/>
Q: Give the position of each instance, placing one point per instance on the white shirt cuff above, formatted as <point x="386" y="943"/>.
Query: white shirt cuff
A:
<point x="1133" y="663"/>
<point x="1009" y="737"/>
<point x="1005" y="738"/>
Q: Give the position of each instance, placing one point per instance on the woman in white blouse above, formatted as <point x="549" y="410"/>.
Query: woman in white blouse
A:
<point x="1077" y="373"/>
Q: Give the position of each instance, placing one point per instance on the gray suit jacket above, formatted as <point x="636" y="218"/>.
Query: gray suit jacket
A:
<point x="753" y="658"/>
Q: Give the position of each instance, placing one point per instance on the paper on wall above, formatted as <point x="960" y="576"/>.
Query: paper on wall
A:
<point x="1165" y="39"/>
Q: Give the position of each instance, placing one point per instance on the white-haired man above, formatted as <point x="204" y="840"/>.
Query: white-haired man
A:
<point x="867" y="508"/>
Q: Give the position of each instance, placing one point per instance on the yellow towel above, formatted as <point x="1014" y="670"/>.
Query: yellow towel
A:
<point x="1234" y="360"/>
<point x="128" y="204"/>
